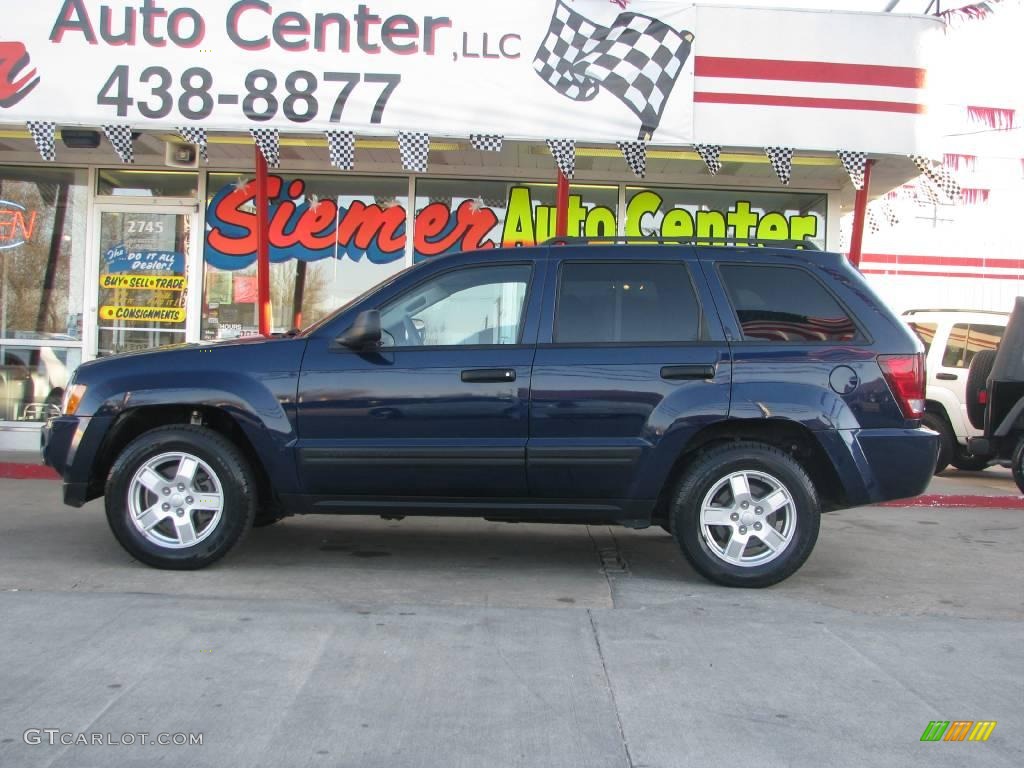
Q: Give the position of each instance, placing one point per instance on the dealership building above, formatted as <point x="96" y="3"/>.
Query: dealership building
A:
<point x="150" y="152"/>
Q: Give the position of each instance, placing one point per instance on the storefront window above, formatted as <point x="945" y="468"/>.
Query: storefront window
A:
<point x="454" y="215"/>
<point x="42" y="263"/>
<point x="122" y="182"/>
<point x="331" y="238"/>
<point x="715" y="215"/>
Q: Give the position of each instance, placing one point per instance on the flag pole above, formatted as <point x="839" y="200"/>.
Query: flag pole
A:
<point x="860" y="207"/>
<point x="562" y="206"/>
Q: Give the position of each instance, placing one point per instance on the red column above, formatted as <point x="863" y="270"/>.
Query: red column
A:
<point x="263" y="246"/>
<point x="562" y="206"/>
<point x="860" y="211"/>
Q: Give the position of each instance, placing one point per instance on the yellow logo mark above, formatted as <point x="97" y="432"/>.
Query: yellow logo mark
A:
<point x="982" y="730"/>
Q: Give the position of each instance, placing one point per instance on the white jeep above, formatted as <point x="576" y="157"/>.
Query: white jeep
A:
<point x="951" y="338"/>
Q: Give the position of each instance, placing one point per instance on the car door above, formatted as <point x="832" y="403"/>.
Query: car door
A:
<point x="631" y="362"/>
<point x="440" y="409"/>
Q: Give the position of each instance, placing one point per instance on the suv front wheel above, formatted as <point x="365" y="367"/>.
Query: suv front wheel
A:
<point x="180" y="497"/>
<point x="745" y="514"/>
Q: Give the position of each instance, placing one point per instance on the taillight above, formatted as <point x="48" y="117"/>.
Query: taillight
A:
<point x="906" y="378"/>
<point x="982" y="397"/>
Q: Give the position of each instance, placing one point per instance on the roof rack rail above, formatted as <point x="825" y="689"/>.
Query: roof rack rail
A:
<point x="648" y="239"/>
<point x="960" y="309"/>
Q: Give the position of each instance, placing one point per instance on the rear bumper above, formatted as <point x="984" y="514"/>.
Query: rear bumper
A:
<point x="876" y="465"/>
<point x="69" y="445"/>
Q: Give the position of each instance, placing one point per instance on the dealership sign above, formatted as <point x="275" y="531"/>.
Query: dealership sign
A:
<point x="534" y="69"/>
<point x="305" y="227"/>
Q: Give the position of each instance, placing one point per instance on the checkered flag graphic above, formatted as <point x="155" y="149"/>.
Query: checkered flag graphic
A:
<point x="413" y="148"/>
<point x="781" y="159"/>
<point x="564" y="152"/>
<point x="638" y="59"/>
<point x="43" y="135"/>
<point x="635" y="153"/>
<point x="486" y="142"/>
<point x="854" y="163"/>
<point x="269" y="142"/>
<point x="193" y="134"/>
<point x="341" y="146"/>
<point x="710" y="154"/>
<point x="120" y="136"/>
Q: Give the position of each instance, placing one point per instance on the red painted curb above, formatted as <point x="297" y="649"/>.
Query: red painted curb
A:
<point x="959" y="501"/>
<point x="15" y="471"/>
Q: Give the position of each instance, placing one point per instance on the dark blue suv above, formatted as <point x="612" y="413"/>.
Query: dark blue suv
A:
<point x="727" y="394"/>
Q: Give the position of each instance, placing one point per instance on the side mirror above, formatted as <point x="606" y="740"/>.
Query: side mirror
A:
<point x="363" y="333"/>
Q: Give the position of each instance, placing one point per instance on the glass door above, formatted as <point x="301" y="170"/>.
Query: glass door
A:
<point x="142" y="276"/>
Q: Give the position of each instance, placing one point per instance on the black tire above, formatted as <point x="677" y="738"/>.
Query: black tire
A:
<point x="711" y="469"/>
<point x="947" y="441"/>
<point x="231" y="469"/>
<point x="977" y="378"/>
<point x="1018" y="465"/>
<point x="968" y="462"/>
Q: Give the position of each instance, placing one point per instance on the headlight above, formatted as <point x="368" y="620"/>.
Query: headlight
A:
<point x="72" y="397"/>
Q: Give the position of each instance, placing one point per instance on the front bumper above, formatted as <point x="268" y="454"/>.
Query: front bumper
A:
<point x="69" y="445"/>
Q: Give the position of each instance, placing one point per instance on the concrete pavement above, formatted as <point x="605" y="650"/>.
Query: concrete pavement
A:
<point x="445" y="642"/>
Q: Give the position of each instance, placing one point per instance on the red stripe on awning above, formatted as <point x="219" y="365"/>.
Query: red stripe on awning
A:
<point x="809" y="71"/>
<point x="767" y="100"/>
<point x="943" y="261"/>
<point x="915" y="273"/>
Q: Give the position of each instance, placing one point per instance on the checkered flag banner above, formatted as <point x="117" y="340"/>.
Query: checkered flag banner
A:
<point x="873" y="224"/>
<point x="486" y="142"/>
<point x="120" y="136"/>
<point x="564" y="152"/>
<point x="710" y="154"/>
<point x="939" y="176"/>
<point x="781" y="159"/>
<point x="637" y="59"/>
<point x="413" y="148"/>
<point x="854" y="163"/>
<point x="195" y="135"/>
<point x="43" y="135"/>
<point x="635" y="153"/>
<point x="269" y="142"/>
<point x="341" y="146"/>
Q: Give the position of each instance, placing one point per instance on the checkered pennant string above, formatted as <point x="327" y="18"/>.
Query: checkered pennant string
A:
<point x="926" y="193"/>
<point x="939" y="176"/>
<point x="269" y="143"/>
<point x="120" y="136"/>
<point x="781" y="159"/>
<point x="710" y="154"/>
<point x="341" y="146"/>
<point x="486" y="142"/>
<point x="413" y="148"/>
<point x="564" y="152"/>
<point x="43" y="135"/>
<point x="854" y="163"/>
<point x="635" y="153"/>
<point x="890" y="215"/>
<point x="194" y="134"/>
<point x="873" y="224"/>
<point x="637" y="59"/>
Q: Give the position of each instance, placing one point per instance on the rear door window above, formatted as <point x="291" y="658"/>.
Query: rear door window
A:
<point x="626" y="302"/>
<point x="966" y="340"/>
<point x="785" y="304"/>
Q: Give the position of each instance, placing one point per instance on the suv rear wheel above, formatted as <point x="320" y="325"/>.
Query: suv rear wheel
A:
<point x="180" y="497"/>
<point x="745" y="515"/>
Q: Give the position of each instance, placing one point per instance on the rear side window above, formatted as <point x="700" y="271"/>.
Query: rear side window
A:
<point x="631" y="301"/>
<point x="926" y="333"/>
<point x="785" y="304"/>
<point x="966" y="340"/>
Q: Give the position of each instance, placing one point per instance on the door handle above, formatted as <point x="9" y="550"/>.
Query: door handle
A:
<point x="947" y="376"/>
<point x="681" y="372"/>
<point x="481" y="375"/>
